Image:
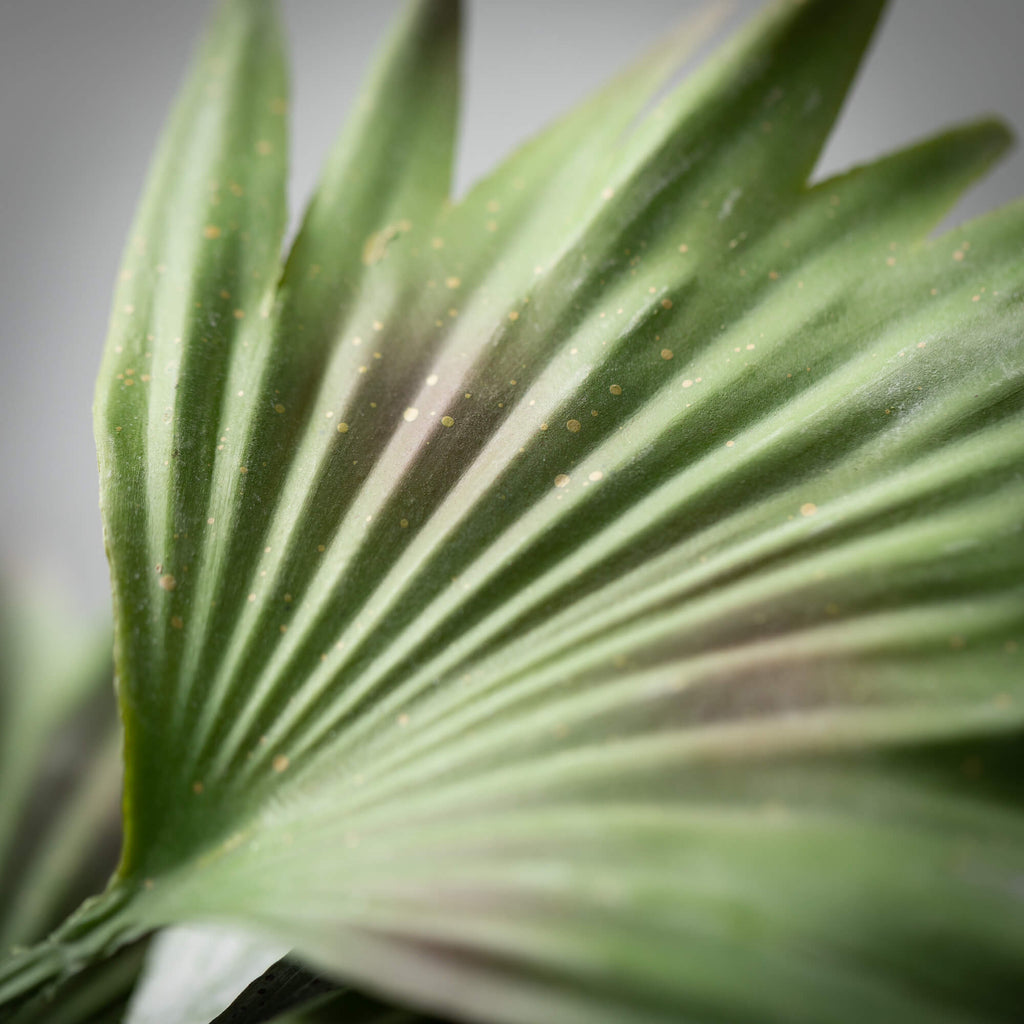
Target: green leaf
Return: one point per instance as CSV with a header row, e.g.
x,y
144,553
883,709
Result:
x,y
595,600
59,761
60,783
195,291
97,994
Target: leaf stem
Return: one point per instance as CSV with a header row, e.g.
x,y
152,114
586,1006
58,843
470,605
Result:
x,y
30,977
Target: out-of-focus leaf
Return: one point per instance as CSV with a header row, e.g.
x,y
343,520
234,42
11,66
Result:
x,y
598,600
98,994
212,975
59,762
50,668
60,783
284,986
193,973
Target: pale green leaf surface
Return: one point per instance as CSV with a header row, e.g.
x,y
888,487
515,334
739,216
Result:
x,y
213,975
193,973
596,600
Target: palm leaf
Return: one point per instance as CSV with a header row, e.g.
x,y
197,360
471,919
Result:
x,y
595,600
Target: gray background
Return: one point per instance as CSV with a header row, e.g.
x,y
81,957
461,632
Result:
x,y
85,84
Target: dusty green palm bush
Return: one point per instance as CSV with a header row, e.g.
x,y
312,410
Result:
x,y
595,600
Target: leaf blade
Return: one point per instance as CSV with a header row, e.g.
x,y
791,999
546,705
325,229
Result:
x,y
716,514
203,254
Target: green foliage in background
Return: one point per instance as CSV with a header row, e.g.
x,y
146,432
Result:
x,y
595,600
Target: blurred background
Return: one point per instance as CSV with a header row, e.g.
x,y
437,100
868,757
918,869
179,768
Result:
x,y
85,86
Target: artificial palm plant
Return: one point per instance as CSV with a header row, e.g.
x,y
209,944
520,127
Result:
x,y
598,599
